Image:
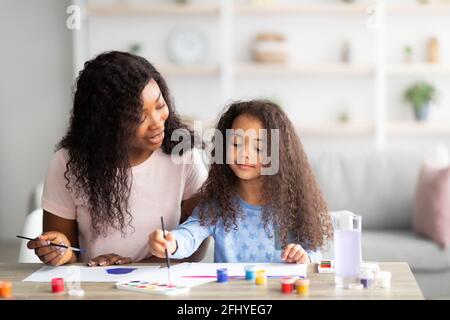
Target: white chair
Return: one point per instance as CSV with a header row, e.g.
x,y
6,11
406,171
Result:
x,y
32,228
37,196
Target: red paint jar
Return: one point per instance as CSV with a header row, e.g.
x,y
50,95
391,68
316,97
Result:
x,y
287,285
57,285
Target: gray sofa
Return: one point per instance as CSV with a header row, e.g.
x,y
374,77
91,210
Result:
x,y
380,187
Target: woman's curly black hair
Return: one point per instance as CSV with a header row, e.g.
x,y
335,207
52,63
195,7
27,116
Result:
x,y
106,112
293,201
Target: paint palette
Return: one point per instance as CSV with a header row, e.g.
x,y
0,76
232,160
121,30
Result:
x,y
151,287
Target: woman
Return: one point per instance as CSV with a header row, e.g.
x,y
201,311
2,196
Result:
x,y
112,177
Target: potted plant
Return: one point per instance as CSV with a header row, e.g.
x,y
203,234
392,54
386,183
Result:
x,y
420,96
408,53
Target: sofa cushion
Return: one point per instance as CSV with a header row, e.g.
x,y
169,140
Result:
x,y
379,186
432,206
401,245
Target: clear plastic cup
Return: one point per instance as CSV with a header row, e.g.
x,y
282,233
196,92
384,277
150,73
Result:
x,y
347,248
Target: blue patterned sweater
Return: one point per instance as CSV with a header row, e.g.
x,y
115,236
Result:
x,y
250,242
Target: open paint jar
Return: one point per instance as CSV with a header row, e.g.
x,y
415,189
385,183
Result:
x,y
302,286
287,285
367,279
250,272
261,277
222,275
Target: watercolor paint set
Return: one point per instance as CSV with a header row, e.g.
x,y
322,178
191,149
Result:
x,y
151,287
325,266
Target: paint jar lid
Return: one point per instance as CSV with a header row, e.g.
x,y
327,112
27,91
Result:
x,y
302,282
76,292
288,280
366,274
355,286
370,266
384,275
222,271
250,267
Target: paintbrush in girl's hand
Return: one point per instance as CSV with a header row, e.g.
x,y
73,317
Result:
x,y
167,254
55,244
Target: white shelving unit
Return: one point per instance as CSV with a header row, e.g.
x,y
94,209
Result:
x,y
302,9
333,128
127,9
296,69
404,69
418,128
189,70
228,70
414,9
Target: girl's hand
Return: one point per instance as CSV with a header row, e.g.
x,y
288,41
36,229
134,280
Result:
x,y
158,244
108,259
294,253
49,254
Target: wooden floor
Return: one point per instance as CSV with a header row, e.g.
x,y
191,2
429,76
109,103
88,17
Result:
x,y
403,286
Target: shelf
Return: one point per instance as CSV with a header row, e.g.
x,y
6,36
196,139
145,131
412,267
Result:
x,y
330,9
418,69
151,10
214,9
295,69
189,70
412,127
335,128
414,9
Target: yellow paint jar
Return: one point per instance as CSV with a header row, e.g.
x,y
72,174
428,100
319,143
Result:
x,y
302,286
261,277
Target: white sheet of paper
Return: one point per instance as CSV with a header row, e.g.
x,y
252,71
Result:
x,y
237,269
84,273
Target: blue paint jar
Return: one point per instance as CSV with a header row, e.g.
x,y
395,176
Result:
x,y
222,275
250,272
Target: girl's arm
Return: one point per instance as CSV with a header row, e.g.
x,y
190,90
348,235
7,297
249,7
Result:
x,y
314,256
187,208
181,242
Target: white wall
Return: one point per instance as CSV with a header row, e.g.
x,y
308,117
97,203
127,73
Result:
x,y
35,99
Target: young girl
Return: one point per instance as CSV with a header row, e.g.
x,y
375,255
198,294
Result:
x,y
255,217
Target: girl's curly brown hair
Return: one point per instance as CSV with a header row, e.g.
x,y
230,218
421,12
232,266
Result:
x,y
294,202
106,112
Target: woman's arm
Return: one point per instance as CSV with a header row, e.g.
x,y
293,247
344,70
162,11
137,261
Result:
x,y
67,227
56,230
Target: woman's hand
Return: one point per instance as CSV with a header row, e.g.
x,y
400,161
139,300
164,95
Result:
x,y
158,244
49,254
294,253
108,259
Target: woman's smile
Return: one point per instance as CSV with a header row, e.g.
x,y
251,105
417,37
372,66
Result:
x,y
156,138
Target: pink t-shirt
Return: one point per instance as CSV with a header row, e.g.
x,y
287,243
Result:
x,y
159,185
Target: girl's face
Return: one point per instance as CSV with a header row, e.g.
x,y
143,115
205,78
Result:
x,y
244,152
150,133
